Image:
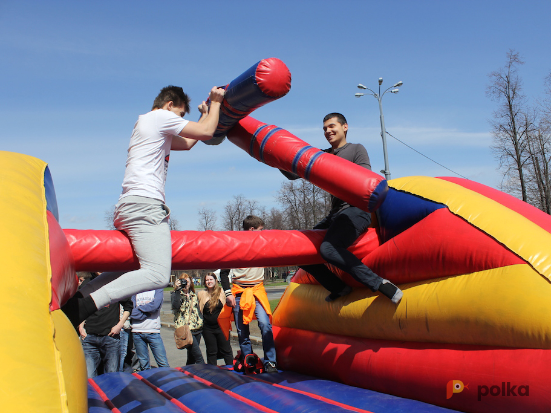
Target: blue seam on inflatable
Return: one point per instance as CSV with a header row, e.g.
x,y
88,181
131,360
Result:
x,y
297,158
51,200
265,141
377,196
253,139
401,210
311,163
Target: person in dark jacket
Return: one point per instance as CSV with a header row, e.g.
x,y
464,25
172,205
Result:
x,y
345,223
100,334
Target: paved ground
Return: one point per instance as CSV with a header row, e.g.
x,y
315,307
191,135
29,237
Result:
x,y
178,357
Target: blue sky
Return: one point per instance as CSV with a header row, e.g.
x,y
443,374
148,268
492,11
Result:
x,y
75,75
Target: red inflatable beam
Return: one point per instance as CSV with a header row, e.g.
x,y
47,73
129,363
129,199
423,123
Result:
x,y
102,250
278,148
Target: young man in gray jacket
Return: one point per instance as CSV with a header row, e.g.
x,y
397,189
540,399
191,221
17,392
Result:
x,y
146,328
344,224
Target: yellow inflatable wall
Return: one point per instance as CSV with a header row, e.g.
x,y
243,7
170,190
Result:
x,y
43,367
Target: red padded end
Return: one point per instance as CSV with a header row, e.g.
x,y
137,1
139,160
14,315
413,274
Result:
x,y
64,279
273,77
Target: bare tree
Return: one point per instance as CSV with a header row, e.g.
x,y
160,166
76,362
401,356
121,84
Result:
x,y
539,183
539,150
173,223
207,219
509,125
540,153
109,217
235,212
274,219
303,203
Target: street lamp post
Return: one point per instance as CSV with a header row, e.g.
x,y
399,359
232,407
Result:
x,y
379,97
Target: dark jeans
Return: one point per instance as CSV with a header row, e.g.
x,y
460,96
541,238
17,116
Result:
x,y
194,355
343,229
216,343
98,349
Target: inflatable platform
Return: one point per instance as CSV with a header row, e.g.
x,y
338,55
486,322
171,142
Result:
x,y
472,332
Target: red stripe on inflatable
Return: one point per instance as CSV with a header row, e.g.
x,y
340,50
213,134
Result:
x,y
232,112
440,245
64,279
311,395
528,211
102,250
421,371
164,394
228,392
103,396
273,77
345,180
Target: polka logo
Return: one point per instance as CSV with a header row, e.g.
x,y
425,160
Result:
x,y
454,386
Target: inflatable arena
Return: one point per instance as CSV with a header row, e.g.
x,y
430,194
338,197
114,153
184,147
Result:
x,y
472,332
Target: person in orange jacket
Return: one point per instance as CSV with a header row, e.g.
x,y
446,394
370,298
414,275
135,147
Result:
x,y
247,296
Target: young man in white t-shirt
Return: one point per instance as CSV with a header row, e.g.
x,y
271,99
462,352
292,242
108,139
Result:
x,y
141,211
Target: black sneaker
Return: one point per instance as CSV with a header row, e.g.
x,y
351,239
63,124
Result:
x,y
333,296
391,291
270,367
79,308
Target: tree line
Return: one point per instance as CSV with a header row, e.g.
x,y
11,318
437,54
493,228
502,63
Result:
x,y
522,135
301,206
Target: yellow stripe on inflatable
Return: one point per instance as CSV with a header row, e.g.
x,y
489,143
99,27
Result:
x,y
506,306
31,379
517,233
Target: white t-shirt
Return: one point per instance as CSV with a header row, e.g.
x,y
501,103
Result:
x,y
149,153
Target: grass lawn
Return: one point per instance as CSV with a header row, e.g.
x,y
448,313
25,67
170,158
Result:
x,y
274,303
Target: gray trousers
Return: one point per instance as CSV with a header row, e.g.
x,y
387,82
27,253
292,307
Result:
x,y
145,221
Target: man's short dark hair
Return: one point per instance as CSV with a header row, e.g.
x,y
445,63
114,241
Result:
x,y
171,93
252,221
85,275
340,118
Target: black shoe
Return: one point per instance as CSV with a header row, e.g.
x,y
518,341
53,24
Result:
x,y
391,291
333,296
270,367
79,308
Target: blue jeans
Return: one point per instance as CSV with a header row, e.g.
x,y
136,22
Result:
x,y
243,332
141,340
98,349
125,338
